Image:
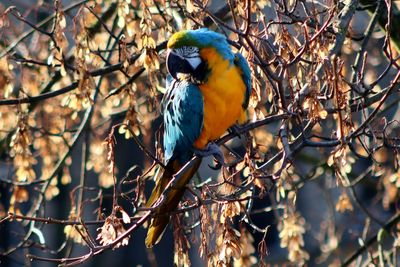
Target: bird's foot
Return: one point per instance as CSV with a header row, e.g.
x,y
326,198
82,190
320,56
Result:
x,y
214,150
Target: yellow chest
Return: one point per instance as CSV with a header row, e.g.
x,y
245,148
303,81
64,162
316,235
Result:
x,y
223,95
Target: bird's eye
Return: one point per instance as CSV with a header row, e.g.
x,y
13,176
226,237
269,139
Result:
x,y
191,49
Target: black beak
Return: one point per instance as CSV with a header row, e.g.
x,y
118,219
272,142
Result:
x,y
177,64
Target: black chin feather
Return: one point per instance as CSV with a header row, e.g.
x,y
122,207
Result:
x,y
199,75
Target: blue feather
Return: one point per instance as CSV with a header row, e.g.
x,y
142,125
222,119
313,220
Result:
x,y
183,119
241,63
207,38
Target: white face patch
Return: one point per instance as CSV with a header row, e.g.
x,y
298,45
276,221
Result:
x,y
194,61
191,54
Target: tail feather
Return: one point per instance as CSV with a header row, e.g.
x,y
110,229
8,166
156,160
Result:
x,y
156,230
161,217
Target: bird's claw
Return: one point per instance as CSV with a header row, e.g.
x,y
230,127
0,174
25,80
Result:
x,y
215,167
214,150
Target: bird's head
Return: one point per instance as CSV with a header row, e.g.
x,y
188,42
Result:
x,y
184,52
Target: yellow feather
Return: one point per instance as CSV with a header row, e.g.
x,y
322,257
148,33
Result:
x,y
223,95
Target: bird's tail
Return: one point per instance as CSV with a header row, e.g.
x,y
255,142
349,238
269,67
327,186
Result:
x,y
161,217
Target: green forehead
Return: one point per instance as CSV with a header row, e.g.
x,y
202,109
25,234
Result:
x,y
182,38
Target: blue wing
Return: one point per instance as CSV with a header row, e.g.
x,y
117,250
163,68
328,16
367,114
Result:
x,y
241,63
183,109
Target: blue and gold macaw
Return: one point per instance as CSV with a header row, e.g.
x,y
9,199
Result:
x,y
208,91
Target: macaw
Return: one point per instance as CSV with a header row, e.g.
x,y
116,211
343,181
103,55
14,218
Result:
x,y
208,91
